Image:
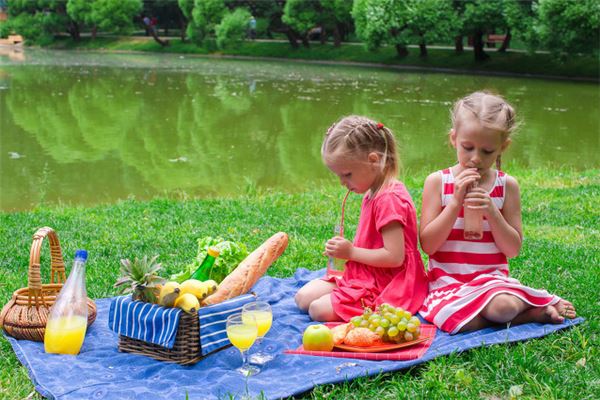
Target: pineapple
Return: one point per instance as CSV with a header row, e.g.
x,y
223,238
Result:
x,y
140,278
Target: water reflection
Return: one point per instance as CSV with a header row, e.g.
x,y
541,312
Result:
x,y
95,128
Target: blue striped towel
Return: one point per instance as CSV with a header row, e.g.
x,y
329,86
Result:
x,y
158,325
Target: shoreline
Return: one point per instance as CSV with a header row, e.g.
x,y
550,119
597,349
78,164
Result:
x,y
439,61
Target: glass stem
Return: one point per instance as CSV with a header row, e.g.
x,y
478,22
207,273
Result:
x,y
244,358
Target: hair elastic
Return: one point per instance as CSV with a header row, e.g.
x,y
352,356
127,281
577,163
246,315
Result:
x,y
380,125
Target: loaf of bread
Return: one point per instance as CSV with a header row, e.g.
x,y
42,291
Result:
x,y
241,279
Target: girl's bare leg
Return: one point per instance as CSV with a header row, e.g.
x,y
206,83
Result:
x,y
554,314
505,308
322,310
311,292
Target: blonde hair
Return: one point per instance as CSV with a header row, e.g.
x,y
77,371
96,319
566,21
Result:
x,y
355,135
491,110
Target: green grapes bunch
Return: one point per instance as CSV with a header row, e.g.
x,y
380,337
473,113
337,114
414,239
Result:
x,y
392,324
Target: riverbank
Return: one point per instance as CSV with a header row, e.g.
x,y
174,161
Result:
x,y
559,253
584,68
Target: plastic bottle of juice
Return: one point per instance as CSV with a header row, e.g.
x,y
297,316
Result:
x,y
203,271
67,320
473,220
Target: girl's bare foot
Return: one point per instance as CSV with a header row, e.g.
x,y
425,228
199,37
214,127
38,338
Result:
x,y
554,314
566,309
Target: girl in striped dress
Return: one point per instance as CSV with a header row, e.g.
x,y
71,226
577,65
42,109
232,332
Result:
x,y
469,283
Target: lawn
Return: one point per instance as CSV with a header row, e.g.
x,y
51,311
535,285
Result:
x,y
560,253
585,67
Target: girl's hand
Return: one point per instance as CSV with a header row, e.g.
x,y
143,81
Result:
x,y
479,199
463,182
338,247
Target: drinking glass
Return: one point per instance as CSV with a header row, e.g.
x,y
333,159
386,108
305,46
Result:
x,y
335,266
263,315
242,334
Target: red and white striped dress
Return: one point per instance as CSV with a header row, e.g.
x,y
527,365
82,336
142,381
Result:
x,y
464,275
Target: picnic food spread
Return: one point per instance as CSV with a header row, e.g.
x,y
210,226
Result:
x,y
385,325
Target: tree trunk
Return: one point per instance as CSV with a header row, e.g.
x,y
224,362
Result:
x,y
182,24
480,54
305,41
94,32
337,40
153,32
292,39
323,35
401,50
423,50
74,30
506,42
458,44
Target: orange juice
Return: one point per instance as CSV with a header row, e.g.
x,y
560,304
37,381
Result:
x,y
65,335
264,319
242,336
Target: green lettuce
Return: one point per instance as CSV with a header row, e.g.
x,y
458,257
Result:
x,y
231,254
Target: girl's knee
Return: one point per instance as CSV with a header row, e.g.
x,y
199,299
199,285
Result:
x,y
322,311
503,308
302,299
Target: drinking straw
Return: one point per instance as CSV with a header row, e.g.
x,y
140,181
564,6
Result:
x,y
342,219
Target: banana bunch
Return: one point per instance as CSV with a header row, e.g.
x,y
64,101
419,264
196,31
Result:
x,y
186,295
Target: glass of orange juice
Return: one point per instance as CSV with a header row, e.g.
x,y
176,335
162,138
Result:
x,y
263,315
242,334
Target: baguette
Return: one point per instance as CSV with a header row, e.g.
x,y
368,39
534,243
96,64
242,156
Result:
x,y
241,279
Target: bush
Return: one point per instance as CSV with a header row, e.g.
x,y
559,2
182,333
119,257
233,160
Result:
x,y
233,27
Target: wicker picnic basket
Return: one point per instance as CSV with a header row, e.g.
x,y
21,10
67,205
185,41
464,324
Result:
x,y
186,350
25,315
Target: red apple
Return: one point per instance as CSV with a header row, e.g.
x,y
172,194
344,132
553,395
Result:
x,y
317,338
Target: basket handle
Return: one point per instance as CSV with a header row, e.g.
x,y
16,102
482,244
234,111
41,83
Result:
x,y
57,272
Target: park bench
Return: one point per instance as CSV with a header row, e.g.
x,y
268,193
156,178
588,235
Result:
x,y
492,39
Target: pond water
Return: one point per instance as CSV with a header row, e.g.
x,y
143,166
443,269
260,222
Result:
x,y
83,128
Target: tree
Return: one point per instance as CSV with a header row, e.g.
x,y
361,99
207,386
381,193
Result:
x,y
115,15
233,27
381,22
337,18
206,15
301,16
569,26
483,17
186,7
37,21
432,20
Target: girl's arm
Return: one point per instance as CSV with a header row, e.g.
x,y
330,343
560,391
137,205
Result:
x,y
389,256
436,223
506,224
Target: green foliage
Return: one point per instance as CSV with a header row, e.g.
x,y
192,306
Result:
x,y
301,15
81,11
569,26
520,18
233,28
484,16
206,15
37,21
115,15
381,22
231,254
432,20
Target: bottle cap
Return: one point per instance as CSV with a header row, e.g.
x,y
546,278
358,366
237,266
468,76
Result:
x,y
82,254
213,251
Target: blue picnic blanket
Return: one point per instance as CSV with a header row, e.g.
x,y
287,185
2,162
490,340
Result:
x,y
101,372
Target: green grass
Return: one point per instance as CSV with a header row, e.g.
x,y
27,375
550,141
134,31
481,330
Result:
x,y
587,67
560,253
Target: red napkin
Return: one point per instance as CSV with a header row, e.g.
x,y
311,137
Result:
x,y
402,354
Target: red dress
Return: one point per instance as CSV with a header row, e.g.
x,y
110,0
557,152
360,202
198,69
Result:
x,y
402,286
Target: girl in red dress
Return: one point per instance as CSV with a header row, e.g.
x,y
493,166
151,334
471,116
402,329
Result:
x,y
469,286
383,263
